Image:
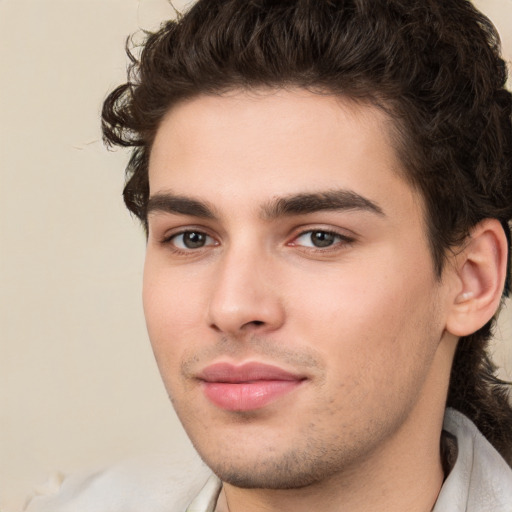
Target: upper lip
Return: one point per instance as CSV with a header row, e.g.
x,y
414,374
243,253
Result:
x,y
248,372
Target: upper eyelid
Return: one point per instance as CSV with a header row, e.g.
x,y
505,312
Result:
x,y
324,229
168,234
344,237
297,231
334,230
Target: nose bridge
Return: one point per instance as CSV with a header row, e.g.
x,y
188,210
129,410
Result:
x,y
243,296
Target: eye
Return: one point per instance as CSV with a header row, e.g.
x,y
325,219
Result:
x,y
320,239
188,240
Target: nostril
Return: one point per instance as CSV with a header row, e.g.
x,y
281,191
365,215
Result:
x,y
256,323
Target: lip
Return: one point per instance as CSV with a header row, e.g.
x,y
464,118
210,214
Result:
x,y
246,387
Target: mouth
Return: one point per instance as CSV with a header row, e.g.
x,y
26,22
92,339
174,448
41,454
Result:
x,y
246,387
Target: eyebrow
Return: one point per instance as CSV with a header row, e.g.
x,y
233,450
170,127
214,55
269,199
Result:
x,y
181,205
301,204
294,204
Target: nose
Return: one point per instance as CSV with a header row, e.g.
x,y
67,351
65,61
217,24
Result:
x,y
245,298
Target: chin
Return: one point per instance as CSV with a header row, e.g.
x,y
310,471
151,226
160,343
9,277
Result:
x,y
277,478
267,469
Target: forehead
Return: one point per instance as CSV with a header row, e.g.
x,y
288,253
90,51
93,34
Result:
x,y
261,144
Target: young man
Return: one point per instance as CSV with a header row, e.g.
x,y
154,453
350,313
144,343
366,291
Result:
x,y
327,189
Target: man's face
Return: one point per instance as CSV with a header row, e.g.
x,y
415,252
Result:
x,y
289,290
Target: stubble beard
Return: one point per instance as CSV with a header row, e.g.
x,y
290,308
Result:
x,y
307,455
311,459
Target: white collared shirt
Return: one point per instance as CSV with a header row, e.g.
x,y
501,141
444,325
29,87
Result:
x,y
479,481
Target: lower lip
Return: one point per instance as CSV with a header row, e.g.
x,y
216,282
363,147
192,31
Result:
x,y
247,396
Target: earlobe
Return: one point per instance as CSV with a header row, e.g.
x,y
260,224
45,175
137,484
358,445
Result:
x,y
481,270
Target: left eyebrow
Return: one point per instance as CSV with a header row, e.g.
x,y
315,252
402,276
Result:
x,y
301,204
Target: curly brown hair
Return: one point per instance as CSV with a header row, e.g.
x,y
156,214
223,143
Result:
x,y
433,65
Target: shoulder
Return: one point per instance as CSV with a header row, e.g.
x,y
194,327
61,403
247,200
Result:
x,y
152,485
480,480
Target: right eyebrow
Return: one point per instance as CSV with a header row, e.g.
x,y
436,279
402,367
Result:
x,y
181,205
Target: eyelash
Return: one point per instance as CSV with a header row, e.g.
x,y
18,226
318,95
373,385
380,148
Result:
x,y
168,241
341,241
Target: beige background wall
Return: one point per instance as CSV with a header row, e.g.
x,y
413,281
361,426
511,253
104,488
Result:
x,y
78,385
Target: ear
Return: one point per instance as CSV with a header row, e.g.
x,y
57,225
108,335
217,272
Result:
x,y
480,269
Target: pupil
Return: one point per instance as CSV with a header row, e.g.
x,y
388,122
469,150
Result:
x,y
322,239
193,240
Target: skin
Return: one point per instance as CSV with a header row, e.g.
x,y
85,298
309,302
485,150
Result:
x,y
362,318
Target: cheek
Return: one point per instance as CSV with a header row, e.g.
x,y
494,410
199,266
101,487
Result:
x,y
173,311
172,298
368,324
